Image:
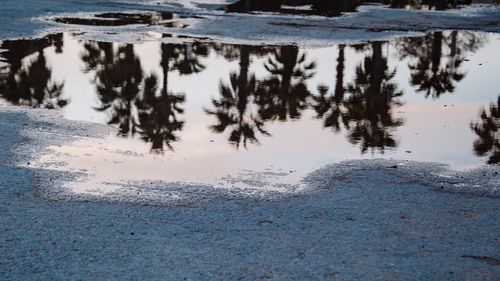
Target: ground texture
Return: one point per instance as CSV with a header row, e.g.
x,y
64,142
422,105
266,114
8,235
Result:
x,y
359,224
359,221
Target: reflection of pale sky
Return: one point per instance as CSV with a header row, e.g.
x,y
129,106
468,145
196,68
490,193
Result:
x,y
432,132
480,85
68,67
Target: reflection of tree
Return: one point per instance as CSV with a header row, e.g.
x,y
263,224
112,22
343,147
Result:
x,y
187,57
329,106
117,78
488,131
428,73
429,76
233,110
157,115
363,107
283,94
57,41
30,83
133,101
231,52
369,105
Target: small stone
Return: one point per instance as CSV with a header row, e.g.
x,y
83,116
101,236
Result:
x,y
260,223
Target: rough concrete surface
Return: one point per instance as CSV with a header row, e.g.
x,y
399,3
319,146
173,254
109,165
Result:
x,y
357,224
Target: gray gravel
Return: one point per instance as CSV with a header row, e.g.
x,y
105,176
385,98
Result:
x,y
27,18
359,223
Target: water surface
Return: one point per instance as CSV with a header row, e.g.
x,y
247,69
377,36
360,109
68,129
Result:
x,y
208,111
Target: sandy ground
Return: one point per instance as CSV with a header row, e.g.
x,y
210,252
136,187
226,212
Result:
x,y
358,223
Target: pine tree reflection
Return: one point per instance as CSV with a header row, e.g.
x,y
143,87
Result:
x,y
56,40
133,101
284,93
369,106
429,74
328,106
159,115
26,79
488,131
365,106
187,57
231,52
117,79
234,109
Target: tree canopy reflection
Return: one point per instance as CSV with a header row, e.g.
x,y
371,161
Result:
x,y
234,108
373,94
284,93
329,106
26,79
247,103
487,130
135,102
433,72
365,106
271,84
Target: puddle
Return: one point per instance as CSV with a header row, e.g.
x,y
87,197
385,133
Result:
x,y
336,8
260,116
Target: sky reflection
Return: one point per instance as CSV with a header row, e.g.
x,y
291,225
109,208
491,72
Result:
x,y
428,98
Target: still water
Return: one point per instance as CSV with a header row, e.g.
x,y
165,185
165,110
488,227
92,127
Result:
x,y
204,111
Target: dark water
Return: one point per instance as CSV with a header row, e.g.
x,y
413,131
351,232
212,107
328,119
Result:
x,y
429,98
